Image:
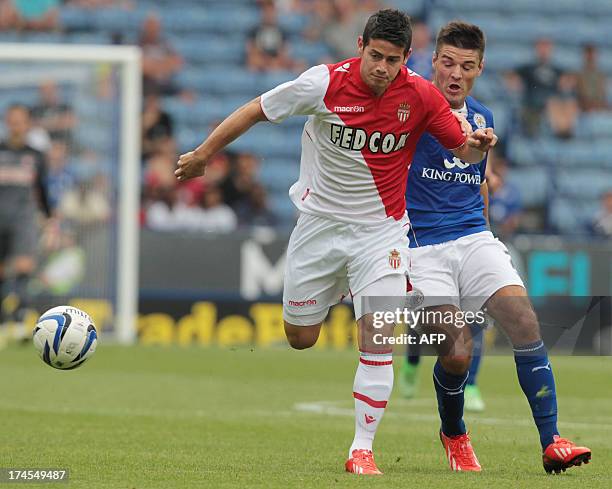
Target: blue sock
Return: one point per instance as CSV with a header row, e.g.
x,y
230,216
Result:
x,y
449,391
477,339
413,354
538,384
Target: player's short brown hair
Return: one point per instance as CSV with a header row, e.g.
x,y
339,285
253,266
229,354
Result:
x,y
389,25
461,35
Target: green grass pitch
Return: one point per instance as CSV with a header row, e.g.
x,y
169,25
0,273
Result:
x,y
154,417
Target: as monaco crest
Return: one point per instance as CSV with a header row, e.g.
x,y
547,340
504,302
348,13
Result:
x,y
395,259
403,112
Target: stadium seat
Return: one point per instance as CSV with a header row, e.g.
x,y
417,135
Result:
x,y
293,24
76,19
534,152
205,79
311,52
210,49
215,21
22,95
595,125
572,216
412,7
88,38
283,207
267,81
42,37
279,174
203,112
118,20
502,57
488,86
600,7
576,154
270,141
189,138
583,183
9,37
174,20
94,138
533,183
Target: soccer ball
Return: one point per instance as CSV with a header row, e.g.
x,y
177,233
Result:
x,y
65,337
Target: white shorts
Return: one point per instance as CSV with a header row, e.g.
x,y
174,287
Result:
x,y
328,260
464,272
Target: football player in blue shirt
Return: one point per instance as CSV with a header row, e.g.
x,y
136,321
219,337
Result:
x,y
458,266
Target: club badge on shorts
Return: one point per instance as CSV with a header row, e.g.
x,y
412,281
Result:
x,y
403,112
395,259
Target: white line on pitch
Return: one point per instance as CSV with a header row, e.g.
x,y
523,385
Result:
x,y
331,408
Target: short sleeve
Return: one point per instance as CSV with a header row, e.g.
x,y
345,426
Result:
x,y
442,123
302,96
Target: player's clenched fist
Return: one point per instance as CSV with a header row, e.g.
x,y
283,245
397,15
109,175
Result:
x,y
190,165
482,139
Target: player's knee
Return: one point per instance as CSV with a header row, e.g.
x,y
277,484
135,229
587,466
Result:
x,y
298,342
456,364
301,337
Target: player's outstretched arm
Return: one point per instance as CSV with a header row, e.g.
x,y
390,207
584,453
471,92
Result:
x,y
193,164
476,146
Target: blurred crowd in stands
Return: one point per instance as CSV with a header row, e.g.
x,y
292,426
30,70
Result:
x,y
544,101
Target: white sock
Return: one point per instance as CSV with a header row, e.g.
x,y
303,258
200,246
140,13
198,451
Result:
x,y
371,390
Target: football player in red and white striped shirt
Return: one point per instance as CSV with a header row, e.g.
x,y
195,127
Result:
x,y
366,115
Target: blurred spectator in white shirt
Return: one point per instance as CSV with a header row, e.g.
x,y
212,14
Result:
x,y
214,216
87,203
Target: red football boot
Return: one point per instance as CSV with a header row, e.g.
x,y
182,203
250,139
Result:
x,y
460,454
562,454
362,463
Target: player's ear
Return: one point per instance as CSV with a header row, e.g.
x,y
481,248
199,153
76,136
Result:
x,y
481,66
434,58
360,45
407,55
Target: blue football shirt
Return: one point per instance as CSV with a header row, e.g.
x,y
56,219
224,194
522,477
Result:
x,y
443,193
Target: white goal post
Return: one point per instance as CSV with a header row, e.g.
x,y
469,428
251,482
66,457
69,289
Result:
x,y
128,58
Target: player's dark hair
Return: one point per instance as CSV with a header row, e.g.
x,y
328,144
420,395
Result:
x,y
389,25
461,35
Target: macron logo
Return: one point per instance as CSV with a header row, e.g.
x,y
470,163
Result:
x,y
344,68
350,108
309,302
369,419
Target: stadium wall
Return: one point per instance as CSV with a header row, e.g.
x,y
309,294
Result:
x,y
250,266
227,291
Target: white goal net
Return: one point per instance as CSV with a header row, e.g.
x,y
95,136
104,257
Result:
x,y
85,104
